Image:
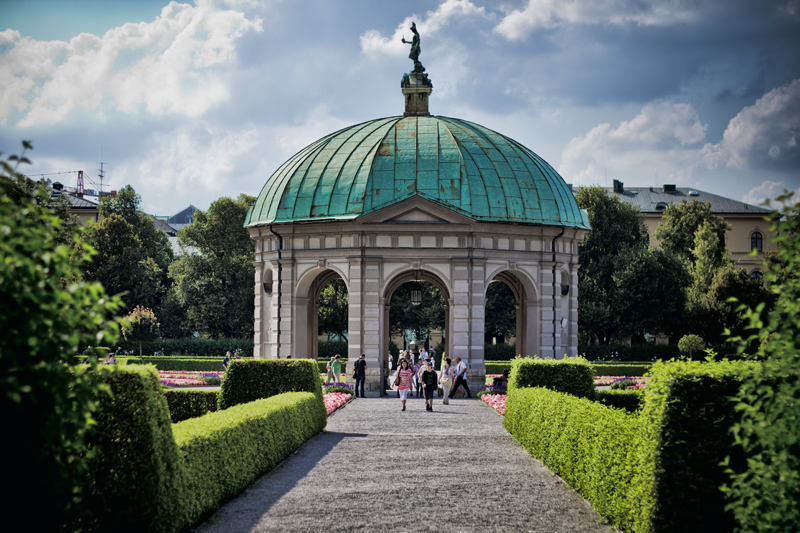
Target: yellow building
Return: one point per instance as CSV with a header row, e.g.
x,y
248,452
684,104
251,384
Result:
x,y
748,230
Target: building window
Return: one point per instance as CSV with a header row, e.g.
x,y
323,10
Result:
x,y
756,241
755,275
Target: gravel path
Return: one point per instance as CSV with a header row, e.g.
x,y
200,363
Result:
x,y
376,468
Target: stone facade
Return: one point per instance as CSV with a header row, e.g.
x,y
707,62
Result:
x,y
415,239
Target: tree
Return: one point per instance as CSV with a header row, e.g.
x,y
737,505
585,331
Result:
x,y
691,344
140,326
118,261
766,495
680,223
215,286
501,312
46,315
624,287
428,315
333,310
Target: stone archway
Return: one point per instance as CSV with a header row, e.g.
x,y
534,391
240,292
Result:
x,y
389,289
528,310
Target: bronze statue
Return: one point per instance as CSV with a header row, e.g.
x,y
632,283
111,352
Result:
x,y
415,48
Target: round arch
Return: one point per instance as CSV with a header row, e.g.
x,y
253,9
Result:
x,y
306,304
527,306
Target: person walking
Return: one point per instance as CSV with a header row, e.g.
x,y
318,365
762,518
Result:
x,y
429,381
226,360
461,378
329,366
336,366
418,367
403,381
446,380
360,373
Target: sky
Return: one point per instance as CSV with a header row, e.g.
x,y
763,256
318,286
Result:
x,y
188,102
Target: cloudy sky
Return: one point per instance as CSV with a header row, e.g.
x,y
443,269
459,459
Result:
x,y
190,102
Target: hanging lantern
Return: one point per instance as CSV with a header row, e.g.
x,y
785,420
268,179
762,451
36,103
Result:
x,y
416,294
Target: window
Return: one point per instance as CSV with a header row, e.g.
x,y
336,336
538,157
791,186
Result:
x,y
268,282
755,275
756,241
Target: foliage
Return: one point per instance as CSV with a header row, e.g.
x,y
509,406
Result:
x,y
629,400
691,344
624,287
621,369
573,375
684,436
337,388
491,391
428,315
136,478
46,314
139,326
185,404
766,496
501,313
629,352
225,451
191,347
500,352
178,363
247,381
680,223
622,384
215,287
587,444
329,348
333,310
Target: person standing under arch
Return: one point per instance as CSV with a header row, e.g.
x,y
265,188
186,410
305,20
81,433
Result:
x,y
360,373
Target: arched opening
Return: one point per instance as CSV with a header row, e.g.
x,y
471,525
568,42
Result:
x,y
518,302
500,321
416,313
321,306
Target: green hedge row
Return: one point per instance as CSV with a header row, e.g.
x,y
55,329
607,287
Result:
x,y
585,443
630,400
499,352
185,404
247,381
659,470
572,375
328,349
188,347
621,369
177,362
226,451
632,352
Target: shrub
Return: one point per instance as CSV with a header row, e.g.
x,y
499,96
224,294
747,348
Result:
x,y
136,476
497,367
624,352
491,391
226,451
622,384
690,344
587,444
630,400
46,314
247,381
684,437
140,325
194,347
327,349
185,404
338,388
176,363
573,375
623,369
499,352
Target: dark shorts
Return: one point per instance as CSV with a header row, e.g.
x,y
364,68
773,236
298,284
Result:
x,y
429,392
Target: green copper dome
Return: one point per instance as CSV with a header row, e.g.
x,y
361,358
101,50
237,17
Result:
x,y
457,164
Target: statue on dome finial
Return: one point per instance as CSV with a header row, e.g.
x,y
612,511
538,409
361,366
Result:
x,y
419,70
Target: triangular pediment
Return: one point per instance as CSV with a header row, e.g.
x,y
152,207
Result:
x,y
415,210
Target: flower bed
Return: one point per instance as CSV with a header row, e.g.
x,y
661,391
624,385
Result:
x,y
187,378
641,382
334,400
496,402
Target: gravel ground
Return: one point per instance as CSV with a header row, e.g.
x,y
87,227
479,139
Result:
x,y
377,468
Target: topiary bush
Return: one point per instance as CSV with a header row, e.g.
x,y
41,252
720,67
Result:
x,y
587,444
573,375
136,477
630,400
185,404
247,381
691,344
225,451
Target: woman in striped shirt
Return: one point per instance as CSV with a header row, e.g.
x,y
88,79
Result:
x,y
404,376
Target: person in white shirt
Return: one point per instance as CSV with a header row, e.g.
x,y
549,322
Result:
x,y
460,374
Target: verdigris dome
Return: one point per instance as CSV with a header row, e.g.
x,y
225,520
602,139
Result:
x,y
457,164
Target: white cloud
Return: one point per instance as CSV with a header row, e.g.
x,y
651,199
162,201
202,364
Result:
x,y
166,66
764,134
315,125
374,44
768,191
517,24
663,138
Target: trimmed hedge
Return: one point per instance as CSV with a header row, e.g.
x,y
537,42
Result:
x,y
190,347
621,369
247,381
322,364
177,362
630,400
226,451
685,436
491,391
136,478
185,404
587,444
327,349
499,352
625,352
573,375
